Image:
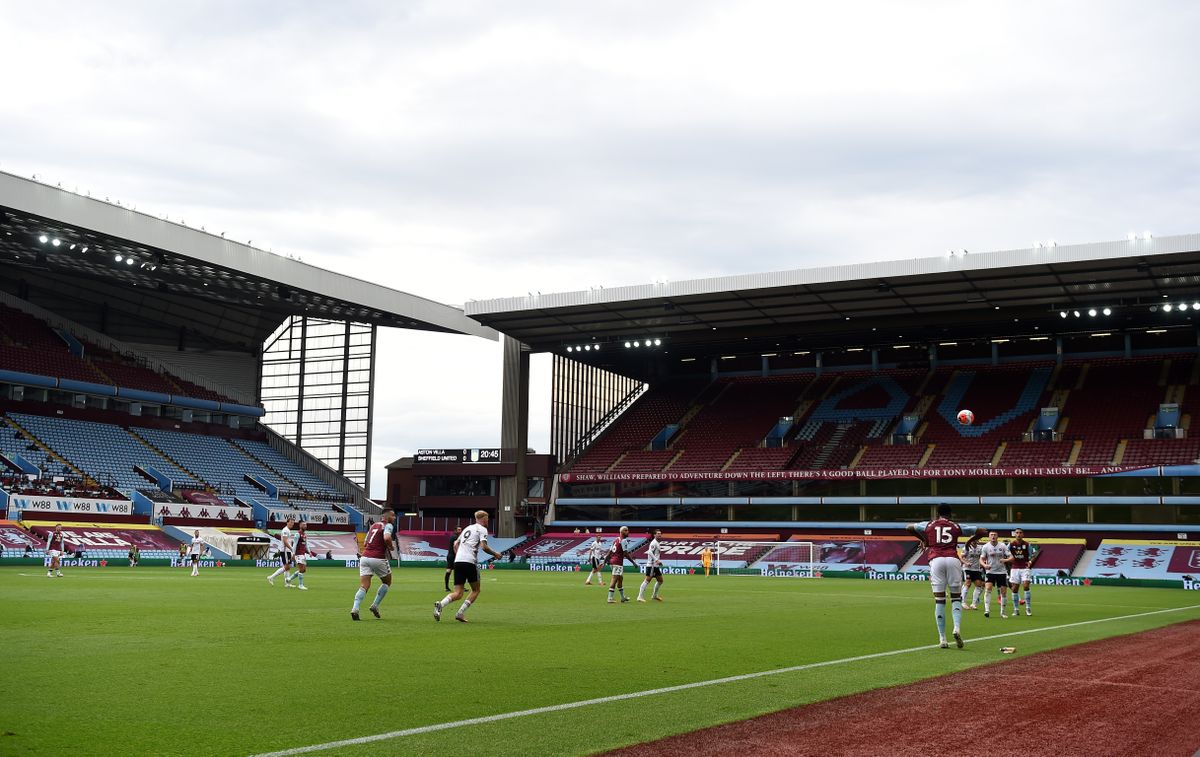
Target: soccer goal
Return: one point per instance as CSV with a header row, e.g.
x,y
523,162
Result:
x,y
792,559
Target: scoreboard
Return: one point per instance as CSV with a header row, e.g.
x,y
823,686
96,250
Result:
x,y
478,455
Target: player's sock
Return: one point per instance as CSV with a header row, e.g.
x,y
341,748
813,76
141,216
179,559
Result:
x,y
463,610
358,598
622,590
300,578
987,601
975,596
610,591
654,591
939,615
956,613
275,575
1028,602
642,590
446,600
379,595
962,595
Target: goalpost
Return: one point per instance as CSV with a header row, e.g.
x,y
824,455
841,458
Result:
x,y
791,559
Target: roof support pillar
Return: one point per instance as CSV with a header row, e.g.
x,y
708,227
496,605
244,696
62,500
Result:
x,y
514,433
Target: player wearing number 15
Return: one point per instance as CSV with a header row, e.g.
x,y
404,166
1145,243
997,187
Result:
x,y
940,538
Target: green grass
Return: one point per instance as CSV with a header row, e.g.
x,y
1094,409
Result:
x,y
150,661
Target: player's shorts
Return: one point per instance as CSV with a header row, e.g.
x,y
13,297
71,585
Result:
x,y
975,575
286,558
596,563
1018,576
618,570
374,566
945,572
997,579
653,571
465,573
302,559
195,558
55,553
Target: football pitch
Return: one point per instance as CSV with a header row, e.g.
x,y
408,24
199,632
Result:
x,y
150,661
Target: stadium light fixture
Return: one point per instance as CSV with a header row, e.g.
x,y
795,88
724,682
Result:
x,y
1000,341
118,257
129,261
43,239
1107,311
1156,331
1092,312
1075,313
728,357
628,345
637,344
1167,307
901,346
947,344
1196,306
1038,338
84,248
1182,306
55,242
658,342
72,246
596,347
1062,314
854,349
1103,333
570,348
687,359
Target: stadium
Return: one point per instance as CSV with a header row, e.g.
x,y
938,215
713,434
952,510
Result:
x,y
162,384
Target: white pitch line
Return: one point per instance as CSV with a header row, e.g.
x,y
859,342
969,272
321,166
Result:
x,y
681,687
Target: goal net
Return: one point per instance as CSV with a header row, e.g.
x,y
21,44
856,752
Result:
x,y
793,559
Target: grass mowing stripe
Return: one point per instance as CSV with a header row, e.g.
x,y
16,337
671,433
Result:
x,y
681,687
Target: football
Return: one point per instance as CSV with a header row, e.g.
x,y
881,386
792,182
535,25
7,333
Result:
x,y
966,417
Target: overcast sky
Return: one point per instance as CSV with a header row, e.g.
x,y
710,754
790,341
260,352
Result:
x,y
469,150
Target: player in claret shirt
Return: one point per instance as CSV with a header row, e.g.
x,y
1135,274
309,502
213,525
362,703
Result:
x,y
377,546
618,553
1019,573
940,537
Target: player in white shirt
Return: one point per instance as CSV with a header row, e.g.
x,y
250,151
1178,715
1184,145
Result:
x,y
196,550
994,557
653,569
596,556
972,575
286,554
466,566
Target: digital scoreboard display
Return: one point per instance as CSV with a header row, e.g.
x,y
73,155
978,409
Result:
x,y
480,455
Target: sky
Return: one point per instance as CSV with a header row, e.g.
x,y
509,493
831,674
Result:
x,y
471,150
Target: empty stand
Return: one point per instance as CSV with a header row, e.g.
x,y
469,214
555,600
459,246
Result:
x,y
105,452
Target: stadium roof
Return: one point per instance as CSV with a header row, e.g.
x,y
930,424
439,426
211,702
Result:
x,y
187,277
973,294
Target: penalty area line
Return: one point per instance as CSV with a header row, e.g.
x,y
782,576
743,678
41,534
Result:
x,y
680,687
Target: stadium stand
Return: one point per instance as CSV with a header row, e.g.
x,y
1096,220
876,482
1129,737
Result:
x,y
30,345
844,420
215,461
288,470
106,453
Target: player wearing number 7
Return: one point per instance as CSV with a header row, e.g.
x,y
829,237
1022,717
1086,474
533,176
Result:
x,y
940,538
